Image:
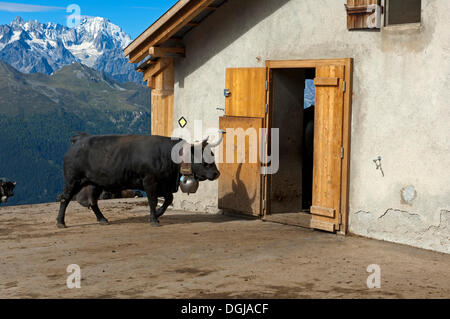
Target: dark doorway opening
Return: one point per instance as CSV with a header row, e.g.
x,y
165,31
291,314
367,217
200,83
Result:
x,y
290,189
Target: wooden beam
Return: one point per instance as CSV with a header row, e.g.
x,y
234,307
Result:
x,y
142,67
156,68
183,20
137,56
150,82
326,81
162,52
190,12
192,24
147,72
321,211
176,39
322,225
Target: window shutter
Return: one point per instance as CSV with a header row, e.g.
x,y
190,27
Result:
x,y
363,14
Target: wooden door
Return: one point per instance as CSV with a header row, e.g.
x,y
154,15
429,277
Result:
x,y
241,182
328,151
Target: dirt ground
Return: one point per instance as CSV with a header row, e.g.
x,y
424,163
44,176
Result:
x,y
196,255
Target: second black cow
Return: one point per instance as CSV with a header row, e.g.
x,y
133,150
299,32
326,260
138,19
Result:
x,y
6,190
113,163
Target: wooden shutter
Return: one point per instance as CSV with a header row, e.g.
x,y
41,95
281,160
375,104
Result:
x,y
361,14
247,92
240,184
328,133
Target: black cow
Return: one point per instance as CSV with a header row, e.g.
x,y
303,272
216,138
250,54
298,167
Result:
x,y
116,162
6,190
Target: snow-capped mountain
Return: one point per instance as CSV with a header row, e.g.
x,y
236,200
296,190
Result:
x,y
33,47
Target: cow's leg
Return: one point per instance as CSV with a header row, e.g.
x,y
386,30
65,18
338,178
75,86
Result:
x,y
100,218
93,202
70,190
153,202
168,199
150,187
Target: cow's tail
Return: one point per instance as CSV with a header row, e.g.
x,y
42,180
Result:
x,y
77,137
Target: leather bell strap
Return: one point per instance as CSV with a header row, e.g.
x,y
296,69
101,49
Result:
x,y
186,169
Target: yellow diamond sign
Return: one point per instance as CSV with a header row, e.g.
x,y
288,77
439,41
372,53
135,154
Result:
x,y
182,122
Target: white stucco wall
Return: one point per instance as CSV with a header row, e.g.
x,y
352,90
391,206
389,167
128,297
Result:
x,y
401,103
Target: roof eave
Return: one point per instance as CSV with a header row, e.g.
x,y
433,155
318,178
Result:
x,y
167,26
156,26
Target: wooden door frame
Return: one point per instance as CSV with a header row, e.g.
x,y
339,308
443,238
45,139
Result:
x,y
308,64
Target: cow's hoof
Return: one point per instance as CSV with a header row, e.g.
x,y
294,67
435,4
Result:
x,y
61,226
103,222
155,223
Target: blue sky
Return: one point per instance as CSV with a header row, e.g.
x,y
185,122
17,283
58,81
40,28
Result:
x,y
133,16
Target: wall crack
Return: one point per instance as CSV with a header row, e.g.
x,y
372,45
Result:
x,y
398,211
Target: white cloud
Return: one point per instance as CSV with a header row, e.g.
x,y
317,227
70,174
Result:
x,y
23,7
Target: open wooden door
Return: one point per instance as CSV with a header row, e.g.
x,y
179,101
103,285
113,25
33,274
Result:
x,y
328,151
241,182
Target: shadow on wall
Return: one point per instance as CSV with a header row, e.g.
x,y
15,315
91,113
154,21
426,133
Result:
x,y
239,198
229,23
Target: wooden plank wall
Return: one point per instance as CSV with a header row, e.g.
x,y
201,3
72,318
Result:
x,y
162,86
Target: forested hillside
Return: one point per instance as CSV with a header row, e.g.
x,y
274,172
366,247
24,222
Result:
x,y
39,114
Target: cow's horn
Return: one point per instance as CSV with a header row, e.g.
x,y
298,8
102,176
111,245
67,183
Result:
x,y
15,183
201,143
222,132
